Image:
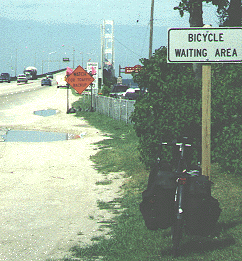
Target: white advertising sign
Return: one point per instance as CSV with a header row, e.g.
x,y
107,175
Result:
x,y
90,67
205,45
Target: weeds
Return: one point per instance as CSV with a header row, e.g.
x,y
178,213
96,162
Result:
x,y
129,238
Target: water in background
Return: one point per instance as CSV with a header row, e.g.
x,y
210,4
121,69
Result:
x,y
31,43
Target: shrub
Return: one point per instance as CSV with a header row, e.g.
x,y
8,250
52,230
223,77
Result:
x,y
172,107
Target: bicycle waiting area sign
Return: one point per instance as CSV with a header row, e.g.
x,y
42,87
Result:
x,y
206,45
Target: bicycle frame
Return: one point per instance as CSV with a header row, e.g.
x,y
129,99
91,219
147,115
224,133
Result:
x,y
179,197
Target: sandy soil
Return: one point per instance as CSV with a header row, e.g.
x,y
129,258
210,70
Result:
x,y
47,189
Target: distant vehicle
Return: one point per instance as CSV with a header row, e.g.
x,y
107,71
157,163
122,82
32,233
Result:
x,y
22,78
60,80
5,77
31,72
49,75
118,91
29,77
132,93
46,81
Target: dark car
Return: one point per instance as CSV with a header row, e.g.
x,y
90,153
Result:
x,y
5,77
46,81
118,91
49,75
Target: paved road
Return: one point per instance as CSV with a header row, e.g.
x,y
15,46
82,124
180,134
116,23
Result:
x,y
48,190
9,90
14,97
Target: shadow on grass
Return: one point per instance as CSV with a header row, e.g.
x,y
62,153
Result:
x,y
201,245
226,226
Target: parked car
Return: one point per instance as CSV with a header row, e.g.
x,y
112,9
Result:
x,y
22,78
132,93
60,80
46,81
49,75
5,77
118,91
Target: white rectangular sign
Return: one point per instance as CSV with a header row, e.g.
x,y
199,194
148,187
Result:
x,y
94,65
204,45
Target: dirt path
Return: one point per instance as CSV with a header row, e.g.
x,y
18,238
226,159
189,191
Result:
x,y
47,190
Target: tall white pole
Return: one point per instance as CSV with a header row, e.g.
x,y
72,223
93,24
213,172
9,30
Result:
x,y
151,28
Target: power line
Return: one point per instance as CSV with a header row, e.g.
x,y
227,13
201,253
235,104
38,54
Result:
x,y
140,55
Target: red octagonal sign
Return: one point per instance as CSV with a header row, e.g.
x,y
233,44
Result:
x,y
79,79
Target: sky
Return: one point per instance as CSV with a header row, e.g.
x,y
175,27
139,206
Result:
x,y
123,12
48,28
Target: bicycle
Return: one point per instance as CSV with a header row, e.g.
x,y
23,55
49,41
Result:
x,y
179,196
183,173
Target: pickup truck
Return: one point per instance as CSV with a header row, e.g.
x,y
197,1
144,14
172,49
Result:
x,y
5,77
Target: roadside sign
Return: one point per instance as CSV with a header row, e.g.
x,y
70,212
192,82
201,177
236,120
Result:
x,y
66,59
119,80
204,45
93,66
131,69
79,79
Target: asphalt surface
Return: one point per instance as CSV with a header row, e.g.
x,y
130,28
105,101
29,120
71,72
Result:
x,y
48,190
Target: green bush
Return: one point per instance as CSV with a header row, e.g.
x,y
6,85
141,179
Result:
x,y
172,107
106,90
226,116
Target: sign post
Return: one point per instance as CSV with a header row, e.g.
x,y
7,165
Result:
x,y
206,119
205,45
67,95
68,72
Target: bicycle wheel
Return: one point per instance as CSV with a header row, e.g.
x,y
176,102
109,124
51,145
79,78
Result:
x,y
176,231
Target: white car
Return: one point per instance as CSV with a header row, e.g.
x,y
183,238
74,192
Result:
x,y
60,80
132,93
22,78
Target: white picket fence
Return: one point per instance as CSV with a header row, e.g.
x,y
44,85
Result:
x,y
119,109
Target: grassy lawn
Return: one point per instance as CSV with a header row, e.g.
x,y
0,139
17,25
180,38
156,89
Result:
x,y
130,239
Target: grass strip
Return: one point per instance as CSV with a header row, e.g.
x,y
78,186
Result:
x,y
130,239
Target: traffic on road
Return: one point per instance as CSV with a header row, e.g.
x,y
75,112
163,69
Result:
x,y
23,83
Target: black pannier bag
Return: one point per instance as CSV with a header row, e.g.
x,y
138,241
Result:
x,y
201,215
202,210
199,185
157,207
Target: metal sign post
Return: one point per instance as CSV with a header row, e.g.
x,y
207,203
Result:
x,y
67,110
91,109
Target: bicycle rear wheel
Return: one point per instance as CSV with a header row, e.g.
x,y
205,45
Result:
x,y
176,236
